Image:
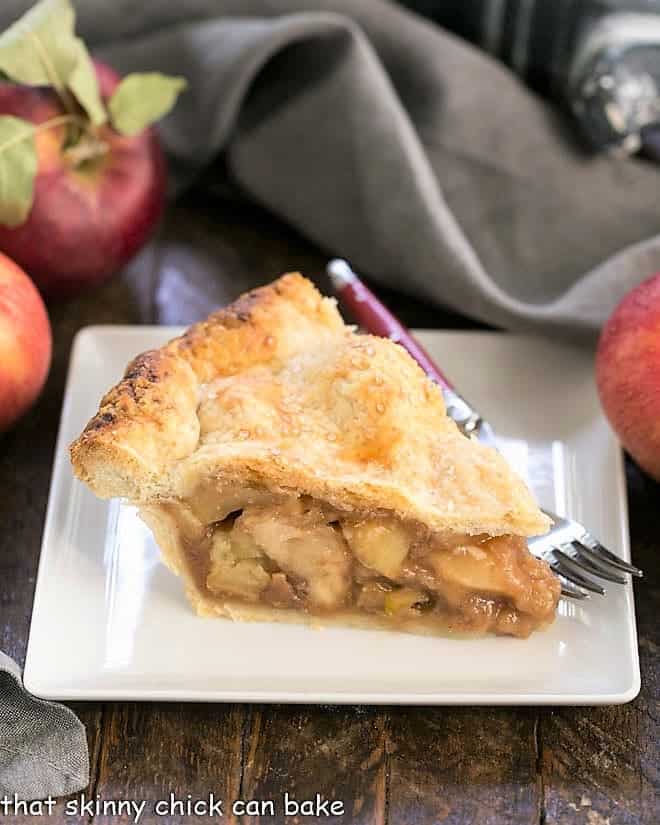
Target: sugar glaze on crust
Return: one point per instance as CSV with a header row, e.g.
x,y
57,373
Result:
x,y
275,391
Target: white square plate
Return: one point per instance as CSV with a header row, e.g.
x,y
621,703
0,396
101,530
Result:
x,y
111,622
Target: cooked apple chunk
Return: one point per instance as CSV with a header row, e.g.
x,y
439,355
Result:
x,y
214,502
312,552
500,567
471,566
245,578
380,544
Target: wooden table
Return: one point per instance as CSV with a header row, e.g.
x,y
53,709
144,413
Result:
x,y
416,766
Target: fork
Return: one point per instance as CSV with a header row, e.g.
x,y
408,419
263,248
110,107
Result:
x,y
572,552
576,556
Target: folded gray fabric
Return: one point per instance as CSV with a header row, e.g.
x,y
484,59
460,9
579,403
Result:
x,y
43,747
392,143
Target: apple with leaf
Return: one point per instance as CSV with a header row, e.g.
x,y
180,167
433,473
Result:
x,y
82,172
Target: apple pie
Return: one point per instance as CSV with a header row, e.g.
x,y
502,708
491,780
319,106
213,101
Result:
x,y
293,470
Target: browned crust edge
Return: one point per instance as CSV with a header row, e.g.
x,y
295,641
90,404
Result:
x,y
148,420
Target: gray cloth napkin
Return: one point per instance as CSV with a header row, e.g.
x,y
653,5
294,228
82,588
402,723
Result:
x,y
388,141
43,747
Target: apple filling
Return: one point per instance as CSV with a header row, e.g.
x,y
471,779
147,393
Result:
x,y
251,546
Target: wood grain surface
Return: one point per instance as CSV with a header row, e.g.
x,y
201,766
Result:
x,y
401,766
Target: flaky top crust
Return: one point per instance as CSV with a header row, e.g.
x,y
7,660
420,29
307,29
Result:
x,y
276,391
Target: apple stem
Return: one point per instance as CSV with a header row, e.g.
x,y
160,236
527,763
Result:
x,y
86,149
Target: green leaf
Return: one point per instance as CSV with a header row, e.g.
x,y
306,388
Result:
x,y
84,85
142,99
40,48
18,168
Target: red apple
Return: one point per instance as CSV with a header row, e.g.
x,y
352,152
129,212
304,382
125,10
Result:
x,y
88,218
628,373
25,342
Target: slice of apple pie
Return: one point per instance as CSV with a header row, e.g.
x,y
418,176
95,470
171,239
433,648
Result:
x,y
293,470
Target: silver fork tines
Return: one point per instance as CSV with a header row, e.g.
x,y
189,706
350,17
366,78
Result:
x,y
577,557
